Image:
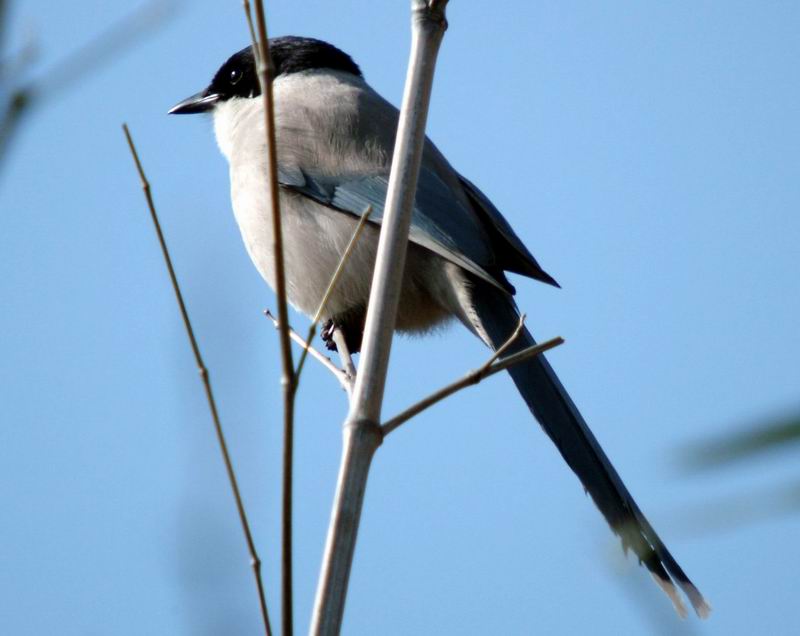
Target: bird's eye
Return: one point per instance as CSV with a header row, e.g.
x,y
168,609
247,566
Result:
x,y
236,75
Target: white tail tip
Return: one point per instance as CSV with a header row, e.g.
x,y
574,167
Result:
x,y
671,591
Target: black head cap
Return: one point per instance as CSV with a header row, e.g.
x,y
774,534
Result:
x,y
289,54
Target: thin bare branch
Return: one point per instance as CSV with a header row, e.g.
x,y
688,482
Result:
x,y
255,561
473,377
312,329
340,375
504,347
288,381
253,37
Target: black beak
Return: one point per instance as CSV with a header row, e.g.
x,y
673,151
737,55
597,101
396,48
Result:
x,y
199,103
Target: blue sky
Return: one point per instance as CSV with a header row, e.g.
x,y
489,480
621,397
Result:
x,y
647,153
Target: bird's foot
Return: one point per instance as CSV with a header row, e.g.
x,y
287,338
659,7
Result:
x,y
327,335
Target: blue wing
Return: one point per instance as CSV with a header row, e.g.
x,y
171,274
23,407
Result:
x,y
440,222
464,228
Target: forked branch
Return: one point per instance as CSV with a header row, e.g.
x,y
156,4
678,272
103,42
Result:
x,y
325,361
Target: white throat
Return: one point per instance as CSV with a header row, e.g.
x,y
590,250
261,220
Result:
x,y
229,116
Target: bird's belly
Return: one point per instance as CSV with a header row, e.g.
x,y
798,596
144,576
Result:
x,y
314,239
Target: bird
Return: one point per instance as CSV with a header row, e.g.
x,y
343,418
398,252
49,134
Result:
x,y
335,136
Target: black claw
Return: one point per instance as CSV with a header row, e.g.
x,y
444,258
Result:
x,y
351,324
327,335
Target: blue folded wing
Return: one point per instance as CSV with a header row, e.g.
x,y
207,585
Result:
x,y
440,221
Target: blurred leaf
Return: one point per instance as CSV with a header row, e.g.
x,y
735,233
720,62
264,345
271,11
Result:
x,y
712,517
18,104
106,47
3,18
743,445
739,446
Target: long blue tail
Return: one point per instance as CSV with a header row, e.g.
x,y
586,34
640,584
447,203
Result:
x,y
551,405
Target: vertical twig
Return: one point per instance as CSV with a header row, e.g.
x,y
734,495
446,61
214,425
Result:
x,y
255,562
362,433
264,67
